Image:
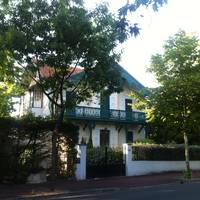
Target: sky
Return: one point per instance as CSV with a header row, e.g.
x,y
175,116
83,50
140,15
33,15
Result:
x,y
156,28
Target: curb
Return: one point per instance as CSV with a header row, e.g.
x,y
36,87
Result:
x,y
56,194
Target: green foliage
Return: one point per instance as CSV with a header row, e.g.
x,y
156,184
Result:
x,y
68,138
175,104
164,152
62,35
6,102
8,87
131,7
144,141
25,143
21,148
187,175
96,156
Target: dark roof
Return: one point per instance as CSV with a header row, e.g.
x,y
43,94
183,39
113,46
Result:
x,y
79,72
129,79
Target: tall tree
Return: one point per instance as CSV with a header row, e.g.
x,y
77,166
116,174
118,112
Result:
x,y
63,35
59,36
176,101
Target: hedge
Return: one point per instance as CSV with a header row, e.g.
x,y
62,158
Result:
x,y
97,156
164,152
24,144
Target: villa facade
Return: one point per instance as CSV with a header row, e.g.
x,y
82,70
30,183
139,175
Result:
x,y
108,120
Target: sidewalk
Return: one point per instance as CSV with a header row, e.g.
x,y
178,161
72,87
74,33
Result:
x,y
65,186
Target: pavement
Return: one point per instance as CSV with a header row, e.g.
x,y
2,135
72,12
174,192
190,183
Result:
x,y
60,187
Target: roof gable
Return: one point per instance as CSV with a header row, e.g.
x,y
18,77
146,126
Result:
x,y
131,81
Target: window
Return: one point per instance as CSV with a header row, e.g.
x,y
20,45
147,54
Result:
x,y
105,105
129,137
104,137
128,107
37,98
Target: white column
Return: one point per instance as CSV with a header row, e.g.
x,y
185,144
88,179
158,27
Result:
x,y
81,165
127,153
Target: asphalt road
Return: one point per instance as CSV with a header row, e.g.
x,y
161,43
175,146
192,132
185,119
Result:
x,y
186,191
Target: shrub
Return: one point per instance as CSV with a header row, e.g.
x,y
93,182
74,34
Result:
x,y
25,143
22,149
164,152
144,141
98,156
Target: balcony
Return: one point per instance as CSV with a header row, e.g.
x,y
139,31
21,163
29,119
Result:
x,y
97,114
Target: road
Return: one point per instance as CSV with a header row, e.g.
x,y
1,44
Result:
x,y
186,191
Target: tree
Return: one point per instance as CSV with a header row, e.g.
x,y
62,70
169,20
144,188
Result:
x,y
59,36
62,35
8,87
6,106
176,101
131,7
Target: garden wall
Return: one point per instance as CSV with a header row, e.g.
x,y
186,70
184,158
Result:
x,y
135,167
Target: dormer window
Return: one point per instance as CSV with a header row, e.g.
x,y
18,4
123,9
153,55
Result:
x,y
37,98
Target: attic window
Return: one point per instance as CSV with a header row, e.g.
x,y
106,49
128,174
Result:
x,y
37,98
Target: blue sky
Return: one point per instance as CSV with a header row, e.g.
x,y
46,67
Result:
x,y
155,30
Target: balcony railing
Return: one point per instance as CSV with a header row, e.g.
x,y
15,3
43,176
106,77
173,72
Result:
x,y
90,113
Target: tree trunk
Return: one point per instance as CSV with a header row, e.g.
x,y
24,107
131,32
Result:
x,y
54,155
187,159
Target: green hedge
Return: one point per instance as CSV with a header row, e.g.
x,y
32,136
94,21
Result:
x,y
22,145
97,156
164,152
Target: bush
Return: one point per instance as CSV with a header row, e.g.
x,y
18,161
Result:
x,y
98,156
26,142
144,141
22,149
164,152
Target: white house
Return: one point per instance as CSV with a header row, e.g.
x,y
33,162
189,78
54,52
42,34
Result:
x,y
112,123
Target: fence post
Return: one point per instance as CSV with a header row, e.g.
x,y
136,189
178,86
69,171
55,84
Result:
x,y
127,154
81,162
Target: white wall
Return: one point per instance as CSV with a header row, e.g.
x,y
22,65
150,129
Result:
x,y
46,104
134,168
113,134
26,106
117,136
83,133
137,133
121,137
80,172
121,99
117,101
24,103
94,102
147,167
114,101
